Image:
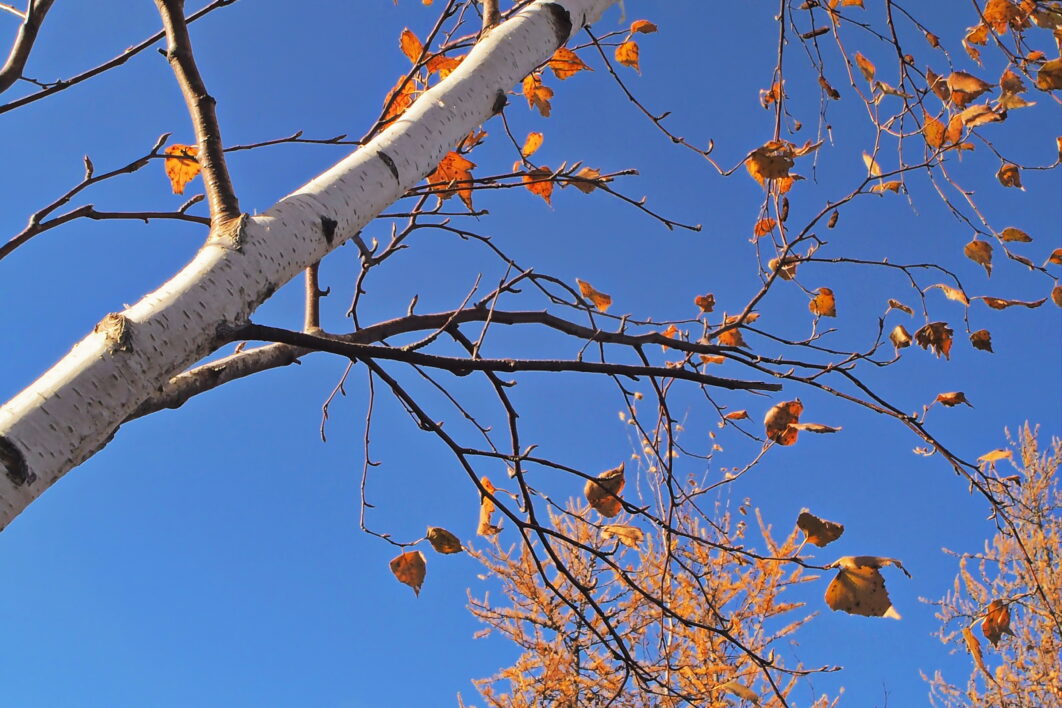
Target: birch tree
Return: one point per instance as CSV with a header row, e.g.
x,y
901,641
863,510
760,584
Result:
x,y
688,614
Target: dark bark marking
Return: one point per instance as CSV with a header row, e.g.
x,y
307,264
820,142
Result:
x,y
328,228
386,159
14,463
562,21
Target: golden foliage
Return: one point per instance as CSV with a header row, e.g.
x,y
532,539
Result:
x,y
181,166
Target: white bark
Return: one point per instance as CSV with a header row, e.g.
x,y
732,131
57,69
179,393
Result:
x,y
72,411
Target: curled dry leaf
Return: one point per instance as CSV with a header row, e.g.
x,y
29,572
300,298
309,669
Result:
x,y
815,427
486,510
966,87
823,304
181,166
890,186
980,252
865,67
974,647
897,305
786,267
643,26
1055,257
601,300
998,303
779,419
706,302
737,415
630,536
443,541
1049,77
996,622
952,398
587,180
981,339
603,492
410,568
859,588
951,293
1009,175
1056,295
731,337
935,336
900,337
628,55
818,531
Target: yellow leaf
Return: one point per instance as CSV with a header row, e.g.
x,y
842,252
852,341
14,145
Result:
x,y
900,337
786,267
410,45
823,304
994,456
890,186
740,690
951,293
1049,77
630,536
627,54
601,300
181,166
818,531
859,589
410,568
586,180
486,510
531,144
980,252
566,63
974,647
873,169
965,87
603,492
443,541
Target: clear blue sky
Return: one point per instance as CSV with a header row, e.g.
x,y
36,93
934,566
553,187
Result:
x,y
211,555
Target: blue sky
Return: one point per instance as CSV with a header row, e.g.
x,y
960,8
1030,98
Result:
x,y
212,556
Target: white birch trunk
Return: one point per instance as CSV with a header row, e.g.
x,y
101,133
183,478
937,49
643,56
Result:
x,y
72,411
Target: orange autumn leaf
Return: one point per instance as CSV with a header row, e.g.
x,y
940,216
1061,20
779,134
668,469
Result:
x,y
998,303
539,181
823,304
531,144
952,399
996,622
627,54
410,568
453,176
602,492
671,333
736,415
706,302
1055,257
1012,234
981,339
1009,175
859,588
400,98
994,456
1056,295
410,45
933,132
537,94
643,26
586,180
182,166
763,227
601,300
999,14
566,63
818,531
731,337
443,65
865,67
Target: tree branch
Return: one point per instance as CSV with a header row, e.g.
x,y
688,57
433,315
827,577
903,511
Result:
x,y
20,50
220,193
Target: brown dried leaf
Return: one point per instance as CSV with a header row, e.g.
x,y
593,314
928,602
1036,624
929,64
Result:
x,y
897,305
779,419
951,293
981,339
706,302
935,336
1009,175
974,647
629,536
818,531
588,179
996,622
900,337
786,267
979,114
443,541
1012,234
410,568
980,252
965,87
601,300
998,303
603,492
1049,77
486,510
1056,295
